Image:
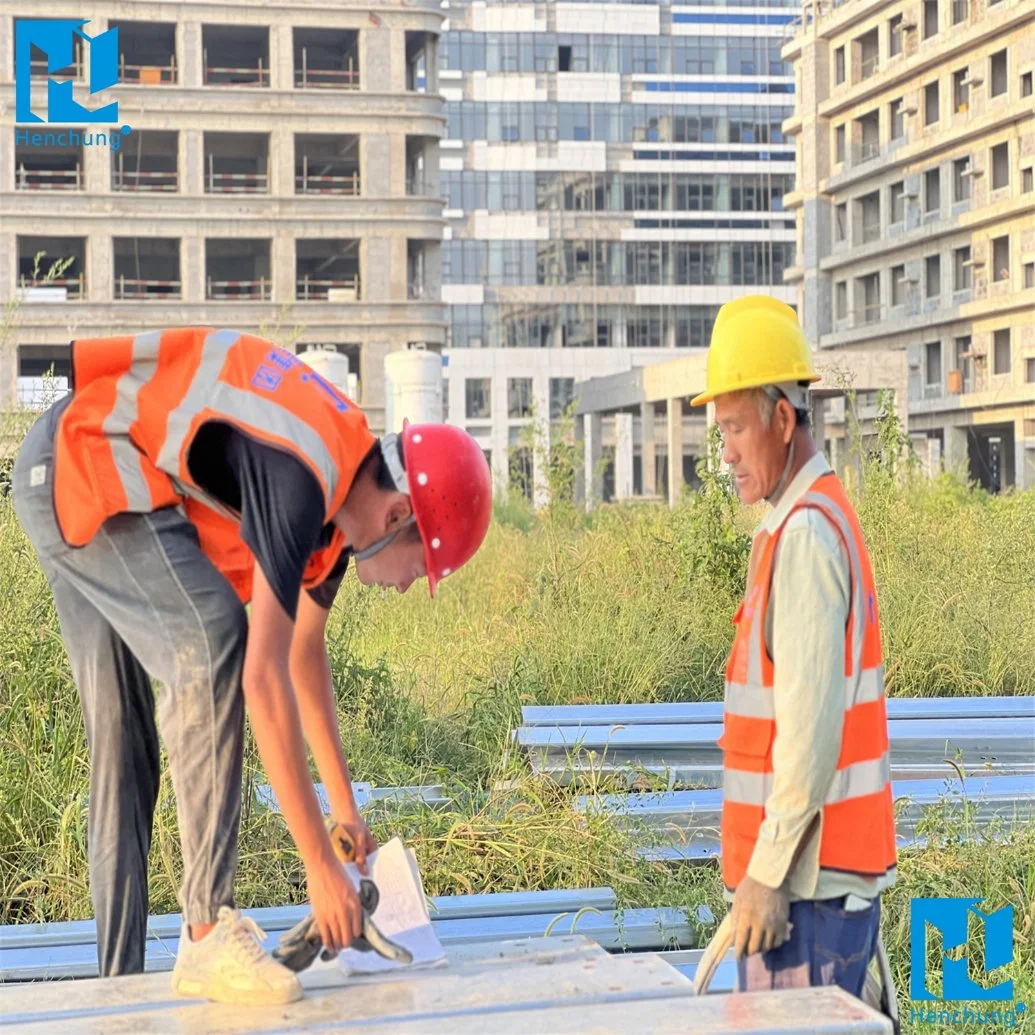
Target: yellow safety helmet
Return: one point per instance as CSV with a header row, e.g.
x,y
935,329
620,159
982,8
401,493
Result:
x,y
756,341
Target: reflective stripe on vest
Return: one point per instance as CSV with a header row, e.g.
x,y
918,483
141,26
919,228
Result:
x,y
859,797
138,402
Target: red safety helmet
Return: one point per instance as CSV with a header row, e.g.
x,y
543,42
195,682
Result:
x,y
451,493
446,476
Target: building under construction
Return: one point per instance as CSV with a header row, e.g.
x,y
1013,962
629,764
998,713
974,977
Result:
x,y
281,169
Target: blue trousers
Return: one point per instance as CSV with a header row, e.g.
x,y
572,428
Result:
x,y
828,946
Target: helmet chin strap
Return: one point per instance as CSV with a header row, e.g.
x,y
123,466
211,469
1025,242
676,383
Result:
x,y
390,453
385,541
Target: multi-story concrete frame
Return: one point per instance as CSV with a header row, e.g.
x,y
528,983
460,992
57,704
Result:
x,y
915,127
613,173
282,166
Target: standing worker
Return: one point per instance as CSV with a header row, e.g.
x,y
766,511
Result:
x,y
179,460
808,829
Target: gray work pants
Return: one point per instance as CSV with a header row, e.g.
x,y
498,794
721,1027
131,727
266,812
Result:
x,y
141,600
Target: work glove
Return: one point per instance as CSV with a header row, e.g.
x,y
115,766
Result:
x,y
760,917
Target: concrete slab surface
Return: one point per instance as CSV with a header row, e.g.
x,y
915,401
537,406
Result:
x,y
479,982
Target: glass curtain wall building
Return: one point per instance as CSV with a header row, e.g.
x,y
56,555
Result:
x,y
613,173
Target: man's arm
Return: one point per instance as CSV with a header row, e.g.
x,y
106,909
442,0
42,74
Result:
x,y
274,715
810,602
271,699
311,676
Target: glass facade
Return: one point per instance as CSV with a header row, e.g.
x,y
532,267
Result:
x,y
678,203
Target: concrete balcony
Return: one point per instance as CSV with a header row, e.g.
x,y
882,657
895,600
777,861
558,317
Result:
x,y
172,215
893,322
926,233
923,145
418,114
331,321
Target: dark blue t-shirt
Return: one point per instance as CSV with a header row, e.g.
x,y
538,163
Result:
x,y
280,503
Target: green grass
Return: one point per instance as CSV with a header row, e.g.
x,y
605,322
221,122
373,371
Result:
x,y
629,604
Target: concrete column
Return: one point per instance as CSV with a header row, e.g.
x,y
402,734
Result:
x,y
96,166
819,429
375,158
282,162
282,59
188,53
375,269
192,162
375,60
933,457
623,455
541,451
432,165
835,455
580,446
594,434
7,47
282,268
8,375
8,348
192,269
7,171
1024,458
100,268
397,272
397,166
675,451
8,264
957,458
648,450
397,60
431,67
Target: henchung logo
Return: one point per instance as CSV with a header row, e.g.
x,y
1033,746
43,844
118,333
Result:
x,y
56,38
962,926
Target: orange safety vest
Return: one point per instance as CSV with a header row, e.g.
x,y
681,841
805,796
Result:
x,y
858,822
138,402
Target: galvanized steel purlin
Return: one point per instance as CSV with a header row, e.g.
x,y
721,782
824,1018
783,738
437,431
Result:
x,y
681,817
689,751
711,711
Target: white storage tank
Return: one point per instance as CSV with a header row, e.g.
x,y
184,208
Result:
x,y
332,366
413,387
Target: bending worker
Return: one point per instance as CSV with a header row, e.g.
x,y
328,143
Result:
x,y
179,460
808,831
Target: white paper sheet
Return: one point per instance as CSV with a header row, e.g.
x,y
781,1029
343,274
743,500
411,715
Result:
x,y
401,915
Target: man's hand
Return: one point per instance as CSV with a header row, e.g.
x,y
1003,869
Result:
x,y
363,842
335,903
759,917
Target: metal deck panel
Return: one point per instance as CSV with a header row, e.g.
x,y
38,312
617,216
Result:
x,y
515,977
282,918
638,929
808,1011
570,986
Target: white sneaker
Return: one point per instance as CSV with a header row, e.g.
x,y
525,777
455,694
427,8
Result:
x,y
229,965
